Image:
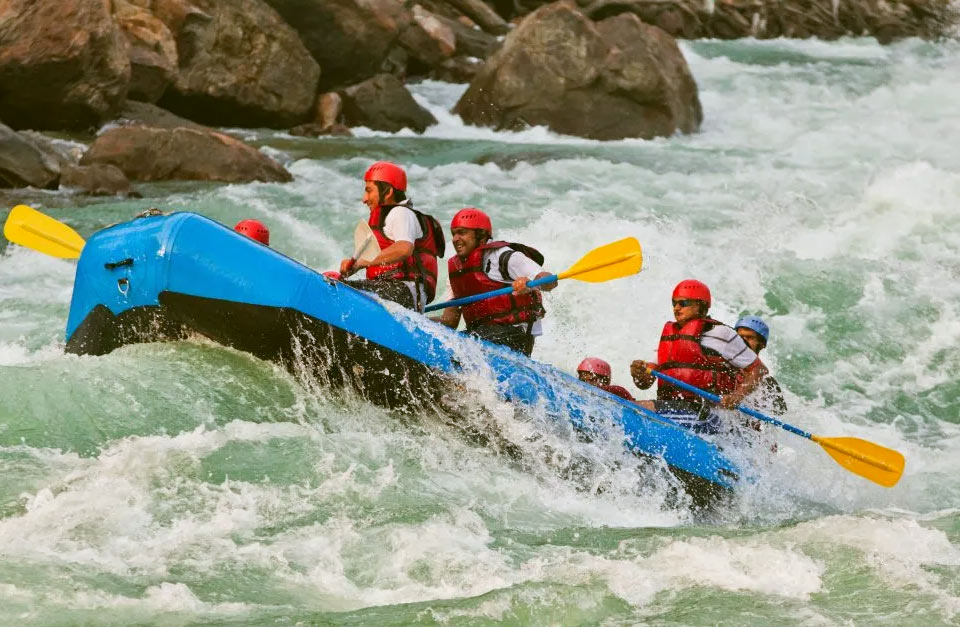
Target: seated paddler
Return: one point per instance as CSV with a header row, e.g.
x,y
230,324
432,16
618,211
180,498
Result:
x,y
405,271
596,372
701,352
481,265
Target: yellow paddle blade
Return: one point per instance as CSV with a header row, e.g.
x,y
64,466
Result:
x,y
619,259
28,227
365,245
872,461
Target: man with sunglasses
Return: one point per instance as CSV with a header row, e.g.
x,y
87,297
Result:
x,y
703,352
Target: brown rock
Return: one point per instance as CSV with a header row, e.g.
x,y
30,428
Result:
x,y
457,70
243,67
25,164
478,11
558,69
151,49
383,103
349,38
153,154
135,113
63,64
99,179
318,130
428,39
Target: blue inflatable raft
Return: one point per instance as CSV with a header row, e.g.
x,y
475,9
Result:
x,y
164,276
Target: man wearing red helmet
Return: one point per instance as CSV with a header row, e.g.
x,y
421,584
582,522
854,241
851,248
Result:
x,y
596,372
254,229
481,265
405,271
703,352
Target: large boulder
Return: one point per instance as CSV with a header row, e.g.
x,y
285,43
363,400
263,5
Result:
x,y
151,49
383,103
427,39
620,78
241,66
100,179
135,113
350,39
24,163
63,64
159,154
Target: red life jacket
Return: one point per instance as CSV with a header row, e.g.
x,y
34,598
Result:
x,y
619,391
421,266
467,277
681,356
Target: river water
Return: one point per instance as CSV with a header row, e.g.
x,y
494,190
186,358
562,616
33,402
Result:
x,y
186,483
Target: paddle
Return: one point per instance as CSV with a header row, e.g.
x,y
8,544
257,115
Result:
x,y
365,246
872,461
28,227
618,259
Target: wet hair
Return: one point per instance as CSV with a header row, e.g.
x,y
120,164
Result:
x,y
384,188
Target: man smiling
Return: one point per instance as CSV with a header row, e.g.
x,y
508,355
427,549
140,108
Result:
x,y
703,352
481,265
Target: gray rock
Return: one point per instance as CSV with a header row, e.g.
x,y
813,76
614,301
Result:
x,y
241,66
350,39
24,164
621,78
383,103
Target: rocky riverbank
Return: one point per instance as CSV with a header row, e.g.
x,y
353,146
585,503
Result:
x,y
166,71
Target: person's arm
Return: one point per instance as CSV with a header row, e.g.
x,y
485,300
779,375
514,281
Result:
x,y
752,375
391,254
520,285
641,378
522,270
449,318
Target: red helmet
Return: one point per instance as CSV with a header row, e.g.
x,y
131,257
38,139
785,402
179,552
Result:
x,y
691,288
595,365
387,172
254,229
471,218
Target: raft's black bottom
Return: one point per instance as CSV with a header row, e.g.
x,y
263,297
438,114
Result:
x,y
304,346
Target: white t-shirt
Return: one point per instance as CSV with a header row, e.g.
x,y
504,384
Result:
x,y
518,265
729,344
402,225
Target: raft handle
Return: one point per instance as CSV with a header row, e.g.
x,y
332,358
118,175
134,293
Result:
x,y
110,265
123,285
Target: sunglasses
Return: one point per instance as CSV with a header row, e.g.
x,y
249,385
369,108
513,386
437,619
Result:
x,y
686,302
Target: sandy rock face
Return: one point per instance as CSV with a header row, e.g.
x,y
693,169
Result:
x,y
241,65
619,78
151,49
159,154
63,64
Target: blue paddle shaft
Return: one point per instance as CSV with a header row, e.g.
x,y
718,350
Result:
x,y
466,300
716,399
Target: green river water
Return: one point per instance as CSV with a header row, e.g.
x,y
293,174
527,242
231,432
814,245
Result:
x,y
189,484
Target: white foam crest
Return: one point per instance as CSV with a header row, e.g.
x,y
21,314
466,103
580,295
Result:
x,y
34,277
744,565
900,550
16,354
102,513
163,598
